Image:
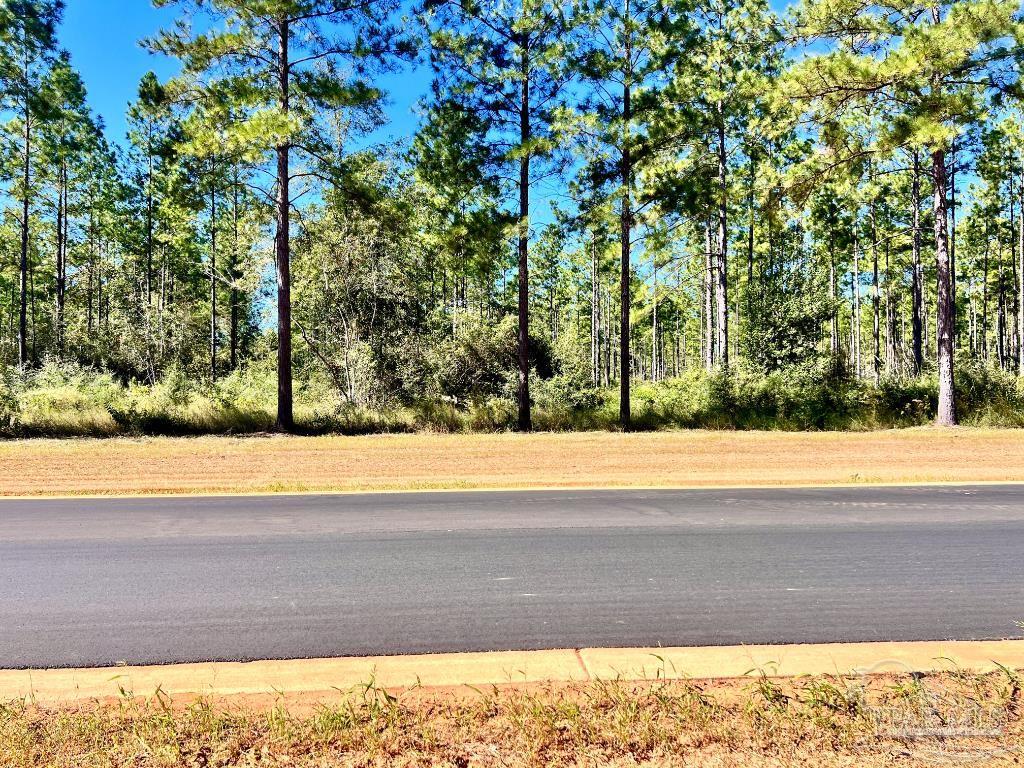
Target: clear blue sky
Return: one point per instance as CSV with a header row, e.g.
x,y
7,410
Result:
x,y
103,39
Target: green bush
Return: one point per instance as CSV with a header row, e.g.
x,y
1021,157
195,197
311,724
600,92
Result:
x,y
989,396
565,390
66,400
10,408
476,363
176,405
495,414
819,396
63,399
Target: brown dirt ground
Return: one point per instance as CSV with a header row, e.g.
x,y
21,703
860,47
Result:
x,y
824,721
434,461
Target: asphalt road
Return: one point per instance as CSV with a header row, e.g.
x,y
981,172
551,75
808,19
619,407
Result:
x,y
97,582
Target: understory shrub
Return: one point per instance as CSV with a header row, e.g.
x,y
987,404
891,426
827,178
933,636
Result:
x,y
60,399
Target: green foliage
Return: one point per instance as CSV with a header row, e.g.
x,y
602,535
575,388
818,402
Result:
x,y
478,362
62,400
819,396
225,68
990,397
778,192
934,59
784,323
10,408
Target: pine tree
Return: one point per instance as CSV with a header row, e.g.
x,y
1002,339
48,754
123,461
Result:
x,y
507,63
67,136
719,91
27,50
152,132
272,66
455,168
626,51
930,66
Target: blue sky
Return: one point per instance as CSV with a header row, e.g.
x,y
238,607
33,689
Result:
x,y
103,39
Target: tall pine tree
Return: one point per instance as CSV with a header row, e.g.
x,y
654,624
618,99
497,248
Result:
x,y
274,67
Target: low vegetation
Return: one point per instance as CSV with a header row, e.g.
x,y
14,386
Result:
x,y
760,721
63,400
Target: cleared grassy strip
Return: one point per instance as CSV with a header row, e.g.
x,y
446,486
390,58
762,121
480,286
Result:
x,y
433,461
760,721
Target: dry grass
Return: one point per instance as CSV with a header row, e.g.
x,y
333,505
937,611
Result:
x,y
756,722
428,461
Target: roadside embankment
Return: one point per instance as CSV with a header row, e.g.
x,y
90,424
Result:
x,y
548,460
377,712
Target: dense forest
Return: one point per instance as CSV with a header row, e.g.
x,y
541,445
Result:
x,y
636,213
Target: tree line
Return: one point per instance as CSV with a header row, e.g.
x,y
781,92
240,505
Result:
x,y
595,193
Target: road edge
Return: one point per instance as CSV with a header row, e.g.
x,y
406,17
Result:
x,y
157,494
332,676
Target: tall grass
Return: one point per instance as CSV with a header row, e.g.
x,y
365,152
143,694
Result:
x,y
62,400
823,721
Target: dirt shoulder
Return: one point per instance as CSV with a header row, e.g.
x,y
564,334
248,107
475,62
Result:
x,y
549,460
827,721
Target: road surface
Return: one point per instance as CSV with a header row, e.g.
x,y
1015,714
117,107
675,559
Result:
x,y
102,581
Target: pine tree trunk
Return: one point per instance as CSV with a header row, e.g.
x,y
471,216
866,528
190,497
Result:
x,y
952,233
1011,299
213,275
285,420
891,356
234,274
625,410
99,286
1001,314
13,304
1020,277
875,302
595,318
832,287
973,310
655,357
709,299
32,315
944,302
984,300
721,283
91,269
917,277
750,234
608,337
855,320
23,257
524,421
149,220
60,276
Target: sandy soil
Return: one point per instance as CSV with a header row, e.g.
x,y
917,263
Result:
x,y
428,461
827,722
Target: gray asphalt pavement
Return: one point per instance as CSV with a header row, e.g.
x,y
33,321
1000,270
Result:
x,y
97,582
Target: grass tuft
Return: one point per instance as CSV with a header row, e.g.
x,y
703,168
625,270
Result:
x,y
67,400
826,721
